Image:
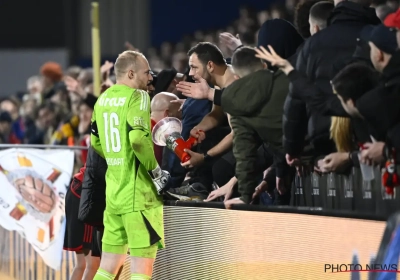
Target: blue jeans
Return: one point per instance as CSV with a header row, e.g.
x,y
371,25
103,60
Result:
x,y
265,199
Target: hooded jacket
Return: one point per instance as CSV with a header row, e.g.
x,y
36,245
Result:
x,y
321,58
255,104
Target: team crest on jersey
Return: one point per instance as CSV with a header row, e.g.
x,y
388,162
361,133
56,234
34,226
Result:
x,y
139,121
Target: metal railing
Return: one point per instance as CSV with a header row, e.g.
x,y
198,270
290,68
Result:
x,y
345,192
329,192
39,146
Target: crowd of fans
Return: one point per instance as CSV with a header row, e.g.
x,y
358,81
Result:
x,y
246,26
332,75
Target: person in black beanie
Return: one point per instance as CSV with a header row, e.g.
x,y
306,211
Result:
x,y
167,80
151,88
268,35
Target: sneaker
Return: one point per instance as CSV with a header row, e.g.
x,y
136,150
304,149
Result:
x,y
171,196
195,191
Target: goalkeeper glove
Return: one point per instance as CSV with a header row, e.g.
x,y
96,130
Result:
x,y
160,179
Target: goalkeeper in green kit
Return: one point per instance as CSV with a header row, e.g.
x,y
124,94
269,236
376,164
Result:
x,y
121,134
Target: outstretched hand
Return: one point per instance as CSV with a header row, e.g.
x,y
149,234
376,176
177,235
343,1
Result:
x,y
105,70
225,191
198,90
373,153
275,60
229,41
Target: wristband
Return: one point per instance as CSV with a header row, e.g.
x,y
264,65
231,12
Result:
x,y
238,47
218,97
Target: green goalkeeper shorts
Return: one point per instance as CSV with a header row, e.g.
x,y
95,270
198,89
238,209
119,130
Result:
x,y
141,231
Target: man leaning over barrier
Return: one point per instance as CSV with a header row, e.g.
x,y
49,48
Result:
x,y
260,121
121,134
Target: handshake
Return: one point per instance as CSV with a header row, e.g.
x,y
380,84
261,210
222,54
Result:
x,y
160,178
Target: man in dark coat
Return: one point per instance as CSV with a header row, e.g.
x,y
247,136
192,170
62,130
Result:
x,y
322,56
255,105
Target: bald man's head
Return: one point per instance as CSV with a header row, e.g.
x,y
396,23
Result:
x,y
133,70
161,106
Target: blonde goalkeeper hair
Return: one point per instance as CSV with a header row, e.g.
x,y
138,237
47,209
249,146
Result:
x,y
341,134
126,61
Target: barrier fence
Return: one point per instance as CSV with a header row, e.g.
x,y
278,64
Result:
x,y
345,192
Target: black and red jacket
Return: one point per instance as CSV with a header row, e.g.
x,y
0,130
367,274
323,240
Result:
x,y
93,195
76,186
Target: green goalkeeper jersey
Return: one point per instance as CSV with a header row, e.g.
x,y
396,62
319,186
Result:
x,y
121,134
